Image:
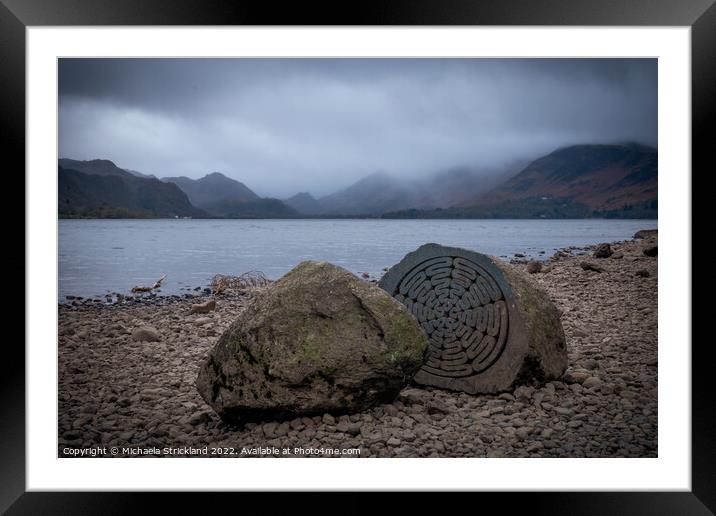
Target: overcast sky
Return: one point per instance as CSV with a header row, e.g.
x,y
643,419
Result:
x,y
288,125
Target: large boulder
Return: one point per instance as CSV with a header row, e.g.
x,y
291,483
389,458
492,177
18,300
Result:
x,y
490,325
318,340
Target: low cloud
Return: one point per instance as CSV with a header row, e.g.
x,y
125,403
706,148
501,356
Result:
x,y
288,125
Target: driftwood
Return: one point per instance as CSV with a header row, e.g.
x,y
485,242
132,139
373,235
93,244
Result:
x,y
157,284
251,279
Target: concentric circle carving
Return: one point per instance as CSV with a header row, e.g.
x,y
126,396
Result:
x,y
462,309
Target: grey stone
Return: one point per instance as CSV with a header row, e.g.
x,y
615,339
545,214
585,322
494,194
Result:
x,y
588,266
319,340
490,324
524,393
592,383
651,251
145,333
534,266
645,233
603,251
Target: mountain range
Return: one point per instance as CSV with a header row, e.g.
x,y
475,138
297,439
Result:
x,y
222,196
100,189
572,182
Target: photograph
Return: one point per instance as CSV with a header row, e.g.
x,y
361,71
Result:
x,y
357,257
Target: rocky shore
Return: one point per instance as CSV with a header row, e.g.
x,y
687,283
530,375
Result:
x,y
127,373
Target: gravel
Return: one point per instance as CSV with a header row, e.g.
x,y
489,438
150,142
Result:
x,y
116,389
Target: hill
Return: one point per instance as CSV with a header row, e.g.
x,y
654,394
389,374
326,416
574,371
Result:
x,y
257,209
614,181
114,194
213,188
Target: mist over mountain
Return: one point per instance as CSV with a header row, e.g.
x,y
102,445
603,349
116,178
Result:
x,y
282,126
380,192
572,182
304,203
140,174
602,177
578,181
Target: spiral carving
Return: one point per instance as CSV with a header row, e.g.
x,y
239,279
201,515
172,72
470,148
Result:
x,y
462,309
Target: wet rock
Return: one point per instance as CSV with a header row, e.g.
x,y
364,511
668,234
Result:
x,y
317,341
651,251
603,251
645,233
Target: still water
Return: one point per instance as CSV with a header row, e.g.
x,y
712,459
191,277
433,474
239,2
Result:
x,y
101,256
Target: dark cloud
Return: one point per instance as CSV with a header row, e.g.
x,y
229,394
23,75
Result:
x,y
288,125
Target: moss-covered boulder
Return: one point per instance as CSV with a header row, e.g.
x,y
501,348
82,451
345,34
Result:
x,y
490,325
318,340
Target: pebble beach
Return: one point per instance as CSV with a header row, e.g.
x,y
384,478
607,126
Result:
x,y
127,371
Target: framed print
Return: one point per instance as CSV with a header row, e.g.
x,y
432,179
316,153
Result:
x,y
423,235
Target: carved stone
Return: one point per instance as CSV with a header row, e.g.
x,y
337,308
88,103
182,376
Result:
x,y
490,326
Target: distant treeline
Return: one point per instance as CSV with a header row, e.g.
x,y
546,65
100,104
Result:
x,y
535,208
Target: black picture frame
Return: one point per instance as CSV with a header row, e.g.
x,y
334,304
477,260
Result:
x,y
700,15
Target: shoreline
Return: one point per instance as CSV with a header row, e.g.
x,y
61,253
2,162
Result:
x,y
198,292
116,391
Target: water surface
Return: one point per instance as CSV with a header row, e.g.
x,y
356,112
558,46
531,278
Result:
x,y
101,256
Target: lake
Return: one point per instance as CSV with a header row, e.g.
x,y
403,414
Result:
x,y
101,256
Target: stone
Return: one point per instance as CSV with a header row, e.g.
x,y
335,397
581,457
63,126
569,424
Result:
x,y
643,273
437,407
524,392
203,308
533,267
202,321
591,364
603,251
592,383
145,334
573,377
588,266
414,396
651,251
490,325
645,233
319,340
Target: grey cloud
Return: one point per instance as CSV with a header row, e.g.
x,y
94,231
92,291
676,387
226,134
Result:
x,y
288,125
